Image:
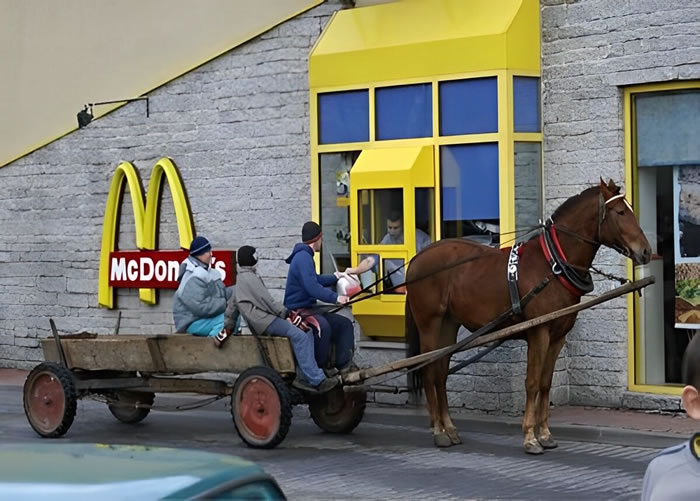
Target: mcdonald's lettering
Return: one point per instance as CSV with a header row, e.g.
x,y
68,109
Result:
x,y
148,269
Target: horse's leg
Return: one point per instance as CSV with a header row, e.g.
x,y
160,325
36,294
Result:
x,y
440,438
429,340
544,436
448,335
537,343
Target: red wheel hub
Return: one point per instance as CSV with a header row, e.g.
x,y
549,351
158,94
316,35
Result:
x,y
47,402
259,408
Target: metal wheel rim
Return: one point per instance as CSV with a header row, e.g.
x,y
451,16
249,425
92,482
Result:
x,y
46,401
258,408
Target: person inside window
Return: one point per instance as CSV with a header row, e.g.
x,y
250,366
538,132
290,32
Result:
x,y
394,236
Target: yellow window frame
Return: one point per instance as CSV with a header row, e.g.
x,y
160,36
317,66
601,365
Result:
x,y
634,359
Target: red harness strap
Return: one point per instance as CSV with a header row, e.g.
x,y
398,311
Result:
x,y
550,259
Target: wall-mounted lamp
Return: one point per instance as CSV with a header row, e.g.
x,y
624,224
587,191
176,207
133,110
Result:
x,y
85,116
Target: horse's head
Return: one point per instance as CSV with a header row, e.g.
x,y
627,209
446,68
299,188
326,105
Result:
x,y
618,227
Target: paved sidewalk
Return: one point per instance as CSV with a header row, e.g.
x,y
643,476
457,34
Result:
x,y
583,423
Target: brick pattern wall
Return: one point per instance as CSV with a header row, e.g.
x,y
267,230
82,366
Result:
x,y
237,129
590,50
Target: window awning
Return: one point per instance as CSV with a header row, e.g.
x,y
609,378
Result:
x,y
393,168
425,38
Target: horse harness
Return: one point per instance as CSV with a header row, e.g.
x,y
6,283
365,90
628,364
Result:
x,y
577,282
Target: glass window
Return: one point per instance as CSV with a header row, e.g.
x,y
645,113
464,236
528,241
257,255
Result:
x,y
343,117
469,176
376,209
404,111
425,217
667,129
668,175
528,185
469,106
335,208
526,104
394,276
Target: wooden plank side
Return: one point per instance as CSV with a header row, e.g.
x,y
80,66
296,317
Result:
x,y
183,354
189,354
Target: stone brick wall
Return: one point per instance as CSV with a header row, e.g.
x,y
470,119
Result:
x,y
591,49
237,129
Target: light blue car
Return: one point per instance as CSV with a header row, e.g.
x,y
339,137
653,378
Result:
x,y
65,471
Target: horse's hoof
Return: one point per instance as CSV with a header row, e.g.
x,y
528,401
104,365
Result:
x,y
548,442
442,440
533,447
454,438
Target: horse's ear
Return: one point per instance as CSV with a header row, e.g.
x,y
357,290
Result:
x,y
604,189
614,189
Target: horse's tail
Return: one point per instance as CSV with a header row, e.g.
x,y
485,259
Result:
x,y
415,378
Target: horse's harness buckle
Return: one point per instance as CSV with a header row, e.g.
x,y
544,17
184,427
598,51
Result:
x,y
556,269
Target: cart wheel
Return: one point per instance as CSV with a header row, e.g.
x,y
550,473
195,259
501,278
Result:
x,y
127,411
261,406
337,411
50,399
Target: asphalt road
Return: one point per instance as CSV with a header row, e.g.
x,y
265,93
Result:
x,y
389,456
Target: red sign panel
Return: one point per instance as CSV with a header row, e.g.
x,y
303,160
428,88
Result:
x,y
160,269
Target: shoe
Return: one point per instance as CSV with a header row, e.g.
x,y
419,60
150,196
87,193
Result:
x,y
351,367
330,372
302,385
328,384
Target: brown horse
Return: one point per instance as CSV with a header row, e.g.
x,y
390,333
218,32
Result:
x,y
475,292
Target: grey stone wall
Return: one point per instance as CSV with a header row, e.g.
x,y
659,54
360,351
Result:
x,y
238,130
591,49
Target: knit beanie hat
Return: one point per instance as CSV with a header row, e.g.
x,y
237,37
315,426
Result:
x,y
310,232
246,256
199,246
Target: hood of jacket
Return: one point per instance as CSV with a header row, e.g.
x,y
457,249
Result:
x,y
300,247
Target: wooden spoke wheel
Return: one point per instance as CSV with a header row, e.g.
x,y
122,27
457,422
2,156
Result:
x,y
261,406
126,408
337,411
50,399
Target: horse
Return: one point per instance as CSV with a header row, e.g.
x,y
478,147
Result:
x,y
457,282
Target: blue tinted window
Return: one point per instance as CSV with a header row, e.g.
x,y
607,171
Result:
x,y
469,175
468,106
526,104
404,111
343,117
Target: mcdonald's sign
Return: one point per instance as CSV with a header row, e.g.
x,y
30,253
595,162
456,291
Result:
x,y
147,268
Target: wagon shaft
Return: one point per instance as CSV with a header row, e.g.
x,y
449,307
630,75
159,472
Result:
x,y
363,374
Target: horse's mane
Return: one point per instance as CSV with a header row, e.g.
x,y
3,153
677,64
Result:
x,y
570,203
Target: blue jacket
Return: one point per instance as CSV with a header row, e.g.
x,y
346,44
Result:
x,y
304,286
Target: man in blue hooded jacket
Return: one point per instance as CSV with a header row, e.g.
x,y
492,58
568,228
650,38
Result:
x,y
305,287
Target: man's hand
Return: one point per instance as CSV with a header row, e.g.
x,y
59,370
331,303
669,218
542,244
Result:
x,y
343,299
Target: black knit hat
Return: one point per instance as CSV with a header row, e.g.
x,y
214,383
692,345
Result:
x,y
246,256
310,232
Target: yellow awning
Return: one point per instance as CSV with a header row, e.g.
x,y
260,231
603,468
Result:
x,y
393,168
425,38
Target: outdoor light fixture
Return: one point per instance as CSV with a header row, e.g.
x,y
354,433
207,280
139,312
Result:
x,y
85,116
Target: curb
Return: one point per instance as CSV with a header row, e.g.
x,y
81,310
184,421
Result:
x,y
502,425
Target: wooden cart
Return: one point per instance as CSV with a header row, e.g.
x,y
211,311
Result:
x,y
128,370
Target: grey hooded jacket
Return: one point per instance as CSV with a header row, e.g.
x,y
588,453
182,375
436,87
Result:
x,y
254,301
201,294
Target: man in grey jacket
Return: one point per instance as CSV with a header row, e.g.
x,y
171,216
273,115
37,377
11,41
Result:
x,y
200,300
265,315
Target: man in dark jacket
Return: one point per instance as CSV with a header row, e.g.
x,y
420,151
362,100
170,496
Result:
x,y
305,287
